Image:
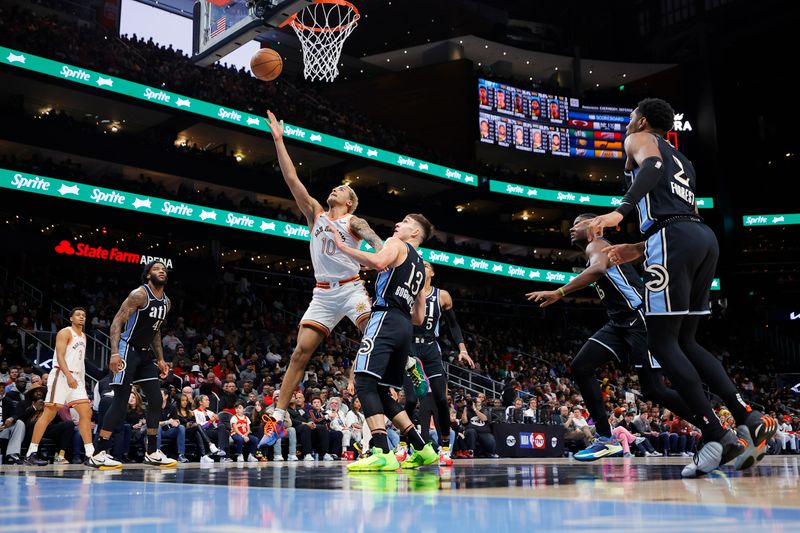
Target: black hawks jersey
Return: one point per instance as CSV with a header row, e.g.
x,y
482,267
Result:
x,y
675,192
620,290
433,314
397,287
143,325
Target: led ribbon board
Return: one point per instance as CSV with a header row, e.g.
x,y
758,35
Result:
x,y
81,192
566,197
771,220
172,100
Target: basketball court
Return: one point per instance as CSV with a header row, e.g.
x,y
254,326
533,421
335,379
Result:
x,y
472,495
480,495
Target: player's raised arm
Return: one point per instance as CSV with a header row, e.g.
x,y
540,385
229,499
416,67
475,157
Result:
x,y
362,230
308,206
137,299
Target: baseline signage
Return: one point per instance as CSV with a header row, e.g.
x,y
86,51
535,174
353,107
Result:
x,y
81,192
210,110
529,440
566,197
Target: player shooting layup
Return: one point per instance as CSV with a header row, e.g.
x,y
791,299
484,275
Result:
x,y
339,291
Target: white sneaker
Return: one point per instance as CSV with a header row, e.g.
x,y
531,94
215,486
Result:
x,y
213,449
308,458
206,460
226,460
278,458
240,458
327,457
292,458
158,458
657,454
251,459
639,440
103,461
688,454
648,454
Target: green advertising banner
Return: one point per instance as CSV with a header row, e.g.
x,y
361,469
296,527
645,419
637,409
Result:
x,y
225,114
566,197
771,220
81,192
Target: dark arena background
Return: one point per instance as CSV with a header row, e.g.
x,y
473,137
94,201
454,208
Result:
x,y
137,154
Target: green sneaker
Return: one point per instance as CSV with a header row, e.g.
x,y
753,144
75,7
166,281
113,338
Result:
x,y
376,462
418,379
426,456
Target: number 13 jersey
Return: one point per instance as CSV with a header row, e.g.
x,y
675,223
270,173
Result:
x,y
397,287
329,263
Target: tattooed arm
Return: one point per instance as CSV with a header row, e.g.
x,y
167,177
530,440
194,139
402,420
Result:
x,y
137,299
361,229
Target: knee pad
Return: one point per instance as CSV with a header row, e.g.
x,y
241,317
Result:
x,y
390,407
367,390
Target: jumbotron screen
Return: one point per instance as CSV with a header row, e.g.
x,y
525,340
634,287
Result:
x,y
541,123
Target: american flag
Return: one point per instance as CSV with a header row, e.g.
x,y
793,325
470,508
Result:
x,y
221,25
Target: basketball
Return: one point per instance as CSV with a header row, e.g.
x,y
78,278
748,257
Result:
x,y
266,64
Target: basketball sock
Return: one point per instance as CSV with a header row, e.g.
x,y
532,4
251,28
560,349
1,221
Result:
x,y
89,449
102,445
380,440
278,414
414,438
152,443
590,357
32,449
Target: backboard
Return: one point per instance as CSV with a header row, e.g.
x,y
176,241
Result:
x,y
221,26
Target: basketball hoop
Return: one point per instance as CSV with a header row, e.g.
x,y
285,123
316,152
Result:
x,y
322,28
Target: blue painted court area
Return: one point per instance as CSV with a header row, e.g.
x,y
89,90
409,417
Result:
x,y
162,501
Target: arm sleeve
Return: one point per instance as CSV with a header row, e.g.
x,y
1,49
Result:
x,y
649,174
452,323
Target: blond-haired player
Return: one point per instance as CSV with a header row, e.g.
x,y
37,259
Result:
x,y
66,385
339,292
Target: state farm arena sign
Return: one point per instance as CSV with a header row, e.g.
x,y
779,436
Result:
x,y
115,255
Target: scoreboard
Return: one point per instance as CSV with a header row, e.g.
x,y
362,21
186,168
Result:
x,y
542,123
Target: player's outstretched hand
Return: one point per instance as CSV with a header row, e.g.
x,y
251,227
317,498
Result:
x,y
337,238
545,297
619,254
275,126
464,356
596,225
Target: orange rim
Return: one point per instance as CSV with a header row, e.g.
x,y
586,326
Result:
x,y
300,26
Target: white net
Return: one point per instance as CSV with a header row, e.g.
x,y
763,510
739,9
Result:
x,y
322,28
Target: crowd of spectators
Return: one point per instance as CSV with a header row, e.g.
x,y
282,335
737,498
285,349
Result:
x,y
145,61
228,348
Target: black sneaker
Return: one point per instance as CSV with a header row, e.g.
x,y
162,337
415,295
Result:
x,y
713,455
34,460
13,459
762,428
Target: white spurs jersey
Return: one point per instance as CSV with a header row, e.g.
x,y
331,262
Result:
x,y
75,353
330,264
